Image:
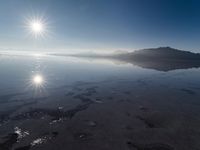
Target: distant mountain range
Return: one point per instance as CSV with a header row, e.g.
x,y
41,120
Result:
x,y
162,58
161,53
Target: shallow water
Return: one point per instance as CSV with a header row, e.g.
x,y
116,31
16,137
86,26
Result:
x,y
96,104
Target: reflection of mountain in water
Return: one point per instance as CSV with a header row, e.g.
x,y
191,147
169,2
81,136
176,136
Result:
x,y
163,58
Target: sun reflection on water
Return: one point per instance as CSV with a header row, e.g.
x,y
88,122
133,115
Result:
x,y
37,85
38,79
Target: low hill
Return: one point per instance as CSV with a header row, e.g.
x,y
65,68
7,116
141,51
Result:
x,y
161,53
162,58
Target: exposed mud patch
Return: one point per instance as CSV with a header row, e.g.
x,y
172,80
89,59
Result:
x,y
27,147
188,91
147,122
55,114
155,146
10,140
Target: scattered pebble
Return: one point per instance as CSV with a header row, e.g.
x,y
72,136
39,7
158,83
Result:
x,y
38,141
56,121
143,108
97,100
91,123
82,136
60,108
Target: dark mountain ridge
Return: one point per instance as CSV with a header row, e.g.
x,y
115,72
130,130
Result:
x,y
162,58
161,53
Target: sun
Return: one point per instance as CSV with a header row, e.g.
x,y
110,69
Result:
x,y
37,26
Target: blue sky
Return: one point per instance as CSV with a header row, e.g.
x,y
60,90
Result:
x,y
102,25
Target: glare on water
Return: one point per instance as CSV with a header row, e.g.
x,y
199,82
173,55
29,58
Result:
x,y
38,79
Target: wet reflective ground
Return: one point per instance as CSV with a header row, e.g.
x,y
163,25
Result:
x,y
58,103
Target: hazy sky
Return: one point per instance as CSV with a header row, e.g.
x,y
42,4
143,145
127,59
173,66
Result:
x,y
101,24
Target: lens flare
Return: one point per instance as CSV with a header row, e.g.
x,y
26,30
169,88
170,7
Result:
x,y
37,26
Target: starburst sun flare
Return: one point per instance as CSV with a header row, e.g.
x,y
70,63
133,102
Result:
x,y
37,26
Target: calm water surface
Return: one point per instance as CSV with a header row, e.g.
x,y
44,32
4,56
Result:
x,y
96,104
